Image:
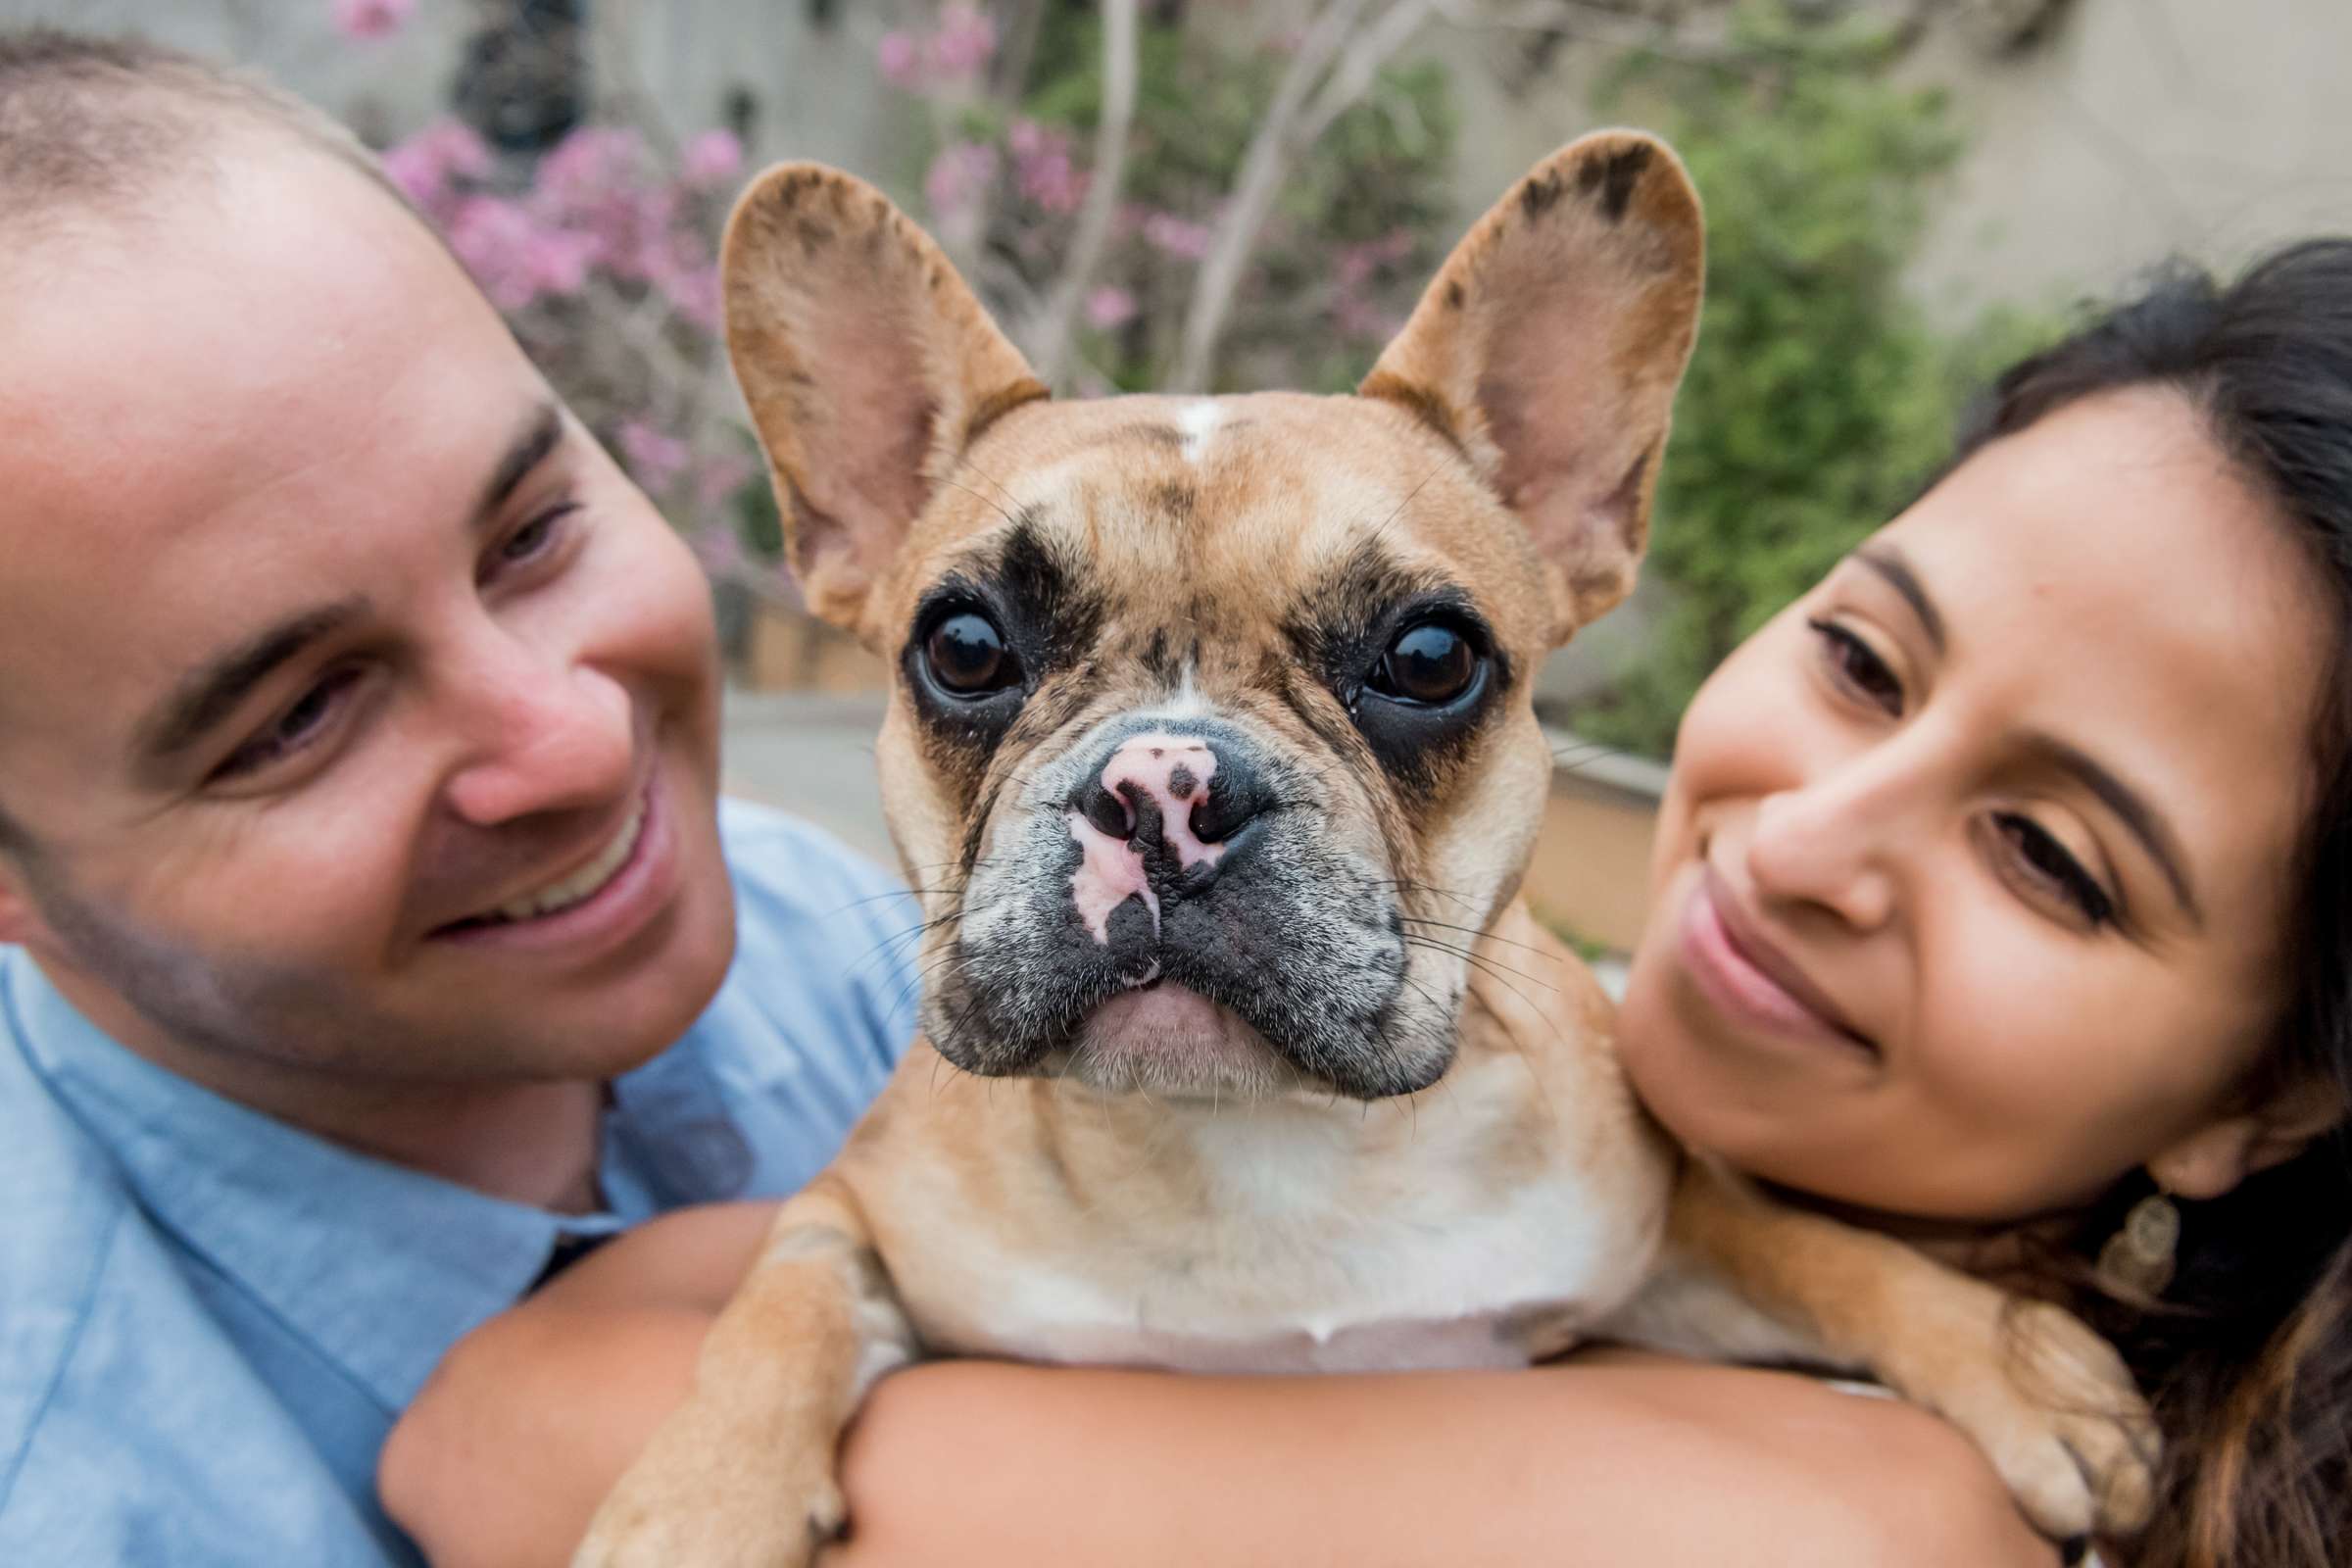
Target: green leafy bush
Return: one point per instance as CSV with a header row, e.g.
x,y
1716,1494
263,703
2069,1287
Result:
x,y
1818,399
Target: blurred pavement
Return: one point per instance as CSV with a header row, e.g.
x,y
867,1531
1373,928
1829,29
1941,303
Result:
x,y
811,753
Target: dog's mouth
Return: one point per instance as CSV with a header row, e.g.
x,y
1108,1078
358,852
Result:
x,y
1165,1038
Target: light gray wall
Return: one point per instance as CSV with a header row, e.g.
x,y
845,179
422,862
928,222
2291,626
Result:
x,y
2210,127
2138,129
817,89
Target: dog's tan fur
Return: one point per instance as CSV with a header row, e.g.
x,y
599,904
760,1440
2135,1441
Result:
x,y
1249,1216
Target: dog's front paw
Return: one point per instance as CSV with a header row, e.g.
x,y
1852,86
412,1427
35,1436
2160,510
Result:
x,y
2056,1410
693,1500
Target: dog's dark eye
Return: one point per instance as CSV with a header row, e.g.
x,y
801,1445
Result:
x,y
968,656
1430,664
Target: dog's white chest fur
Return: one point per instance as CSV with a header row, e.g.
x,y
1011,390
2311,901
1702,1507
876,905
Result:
x,y
1307,1237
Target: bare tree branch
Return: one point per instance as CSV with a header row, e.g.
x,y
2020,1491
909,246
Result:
x,y
1051,334
1352,79
1280,138
1018,27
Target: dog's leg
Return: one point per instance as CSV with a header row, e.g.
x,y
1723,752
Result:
x,y
2049,1402
742,1475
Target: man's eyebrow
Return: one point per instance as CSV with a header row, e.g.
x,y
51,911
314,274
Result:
x,y
1889,563
215,689
2144,820
529,449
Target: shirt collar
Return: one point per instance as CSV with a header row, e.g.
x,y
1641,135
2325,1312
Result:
x,y
380,1267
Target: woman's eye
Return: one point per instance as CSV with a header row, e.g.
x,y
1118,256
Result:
x,y
534,539
1431,664
2048,863
968,656
1858,666
294,729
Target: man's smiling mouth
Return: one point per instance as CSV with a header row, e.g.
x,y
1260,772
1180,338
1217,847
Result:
x,y
574,889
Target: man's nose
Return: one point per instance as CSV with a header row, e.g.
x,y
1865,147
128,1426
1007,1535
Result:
x,y
1175,797
1835,842
543,737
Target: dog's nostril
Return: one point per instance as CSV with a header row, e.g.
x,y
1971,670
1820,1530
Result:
x,y
1225,808
1108,813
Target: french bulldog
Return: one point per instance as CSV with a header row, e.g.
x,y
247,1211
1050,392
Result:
x,y
1211,752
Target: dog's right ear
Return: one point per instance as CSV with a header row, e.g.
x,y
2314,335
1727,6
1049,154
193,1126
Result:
x,y
1547,350
868,367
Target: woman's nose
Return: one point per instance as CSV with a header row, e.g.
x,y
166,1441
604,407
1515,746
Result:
x,y
545,738
1833,841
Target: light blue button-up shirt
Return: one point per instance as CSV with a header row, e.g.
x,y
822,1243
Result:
x,y
208,1320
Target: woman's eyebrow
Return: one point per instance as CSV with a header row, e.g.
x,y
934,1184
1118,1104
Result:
x,y
2144,822
534,439
1889,563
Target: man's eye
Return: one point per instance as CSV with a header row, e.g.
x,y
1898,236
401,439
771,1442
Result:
x,y
295,729
1857,667
2048,862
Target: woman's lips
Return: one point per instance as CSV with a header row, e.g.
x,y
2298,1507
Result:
x,y
1751,981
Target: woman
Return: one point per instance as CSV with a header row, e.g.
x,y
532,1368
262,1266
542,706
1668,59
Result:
x,y
2004,900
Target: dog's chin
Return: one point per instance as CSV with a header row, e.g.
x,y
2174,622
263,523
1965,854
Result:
x,y
1169,1042
1176,1041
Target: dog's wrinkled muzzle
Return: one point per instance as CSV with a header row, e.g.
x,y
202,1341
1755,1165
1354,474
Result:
x,y
1183,848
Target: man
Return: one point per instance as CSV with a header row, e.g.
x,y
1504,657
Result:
x,y
369,912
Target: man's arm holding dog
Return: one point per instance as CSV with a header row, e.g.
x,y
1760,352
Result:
x,y
532,1419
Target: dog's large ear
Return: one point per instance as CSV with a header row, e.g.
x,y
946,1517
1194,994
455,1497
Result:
x,y
868,367
1549,347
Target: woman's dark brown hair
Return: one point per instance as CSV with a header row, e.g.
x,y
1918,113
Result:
x,y
2248,1357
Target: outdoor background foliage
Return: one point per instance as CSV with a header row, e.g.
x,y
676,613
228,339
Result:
x,y
1311,173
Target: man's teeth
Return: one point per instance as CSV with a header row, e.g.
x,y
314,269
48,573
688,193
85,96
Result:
x,y
583,884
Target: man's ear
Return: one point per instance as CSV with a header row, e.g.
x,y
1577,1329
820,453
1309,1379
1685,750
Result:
x,y
2225,1151
868,367
1549,347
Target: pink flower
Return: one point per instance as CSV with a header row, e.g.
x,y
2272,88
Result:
x,y
1108,307
490,236
712,158
1178,236
692,292
901,61
655,459
429,165
589,166
722,552
371,19
720,478
558,261
515,256
965,41
961,171
1043,166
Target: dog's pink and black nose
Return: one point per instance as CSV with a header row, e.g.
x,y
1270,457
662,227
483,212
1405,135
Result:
x,y
1161,808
